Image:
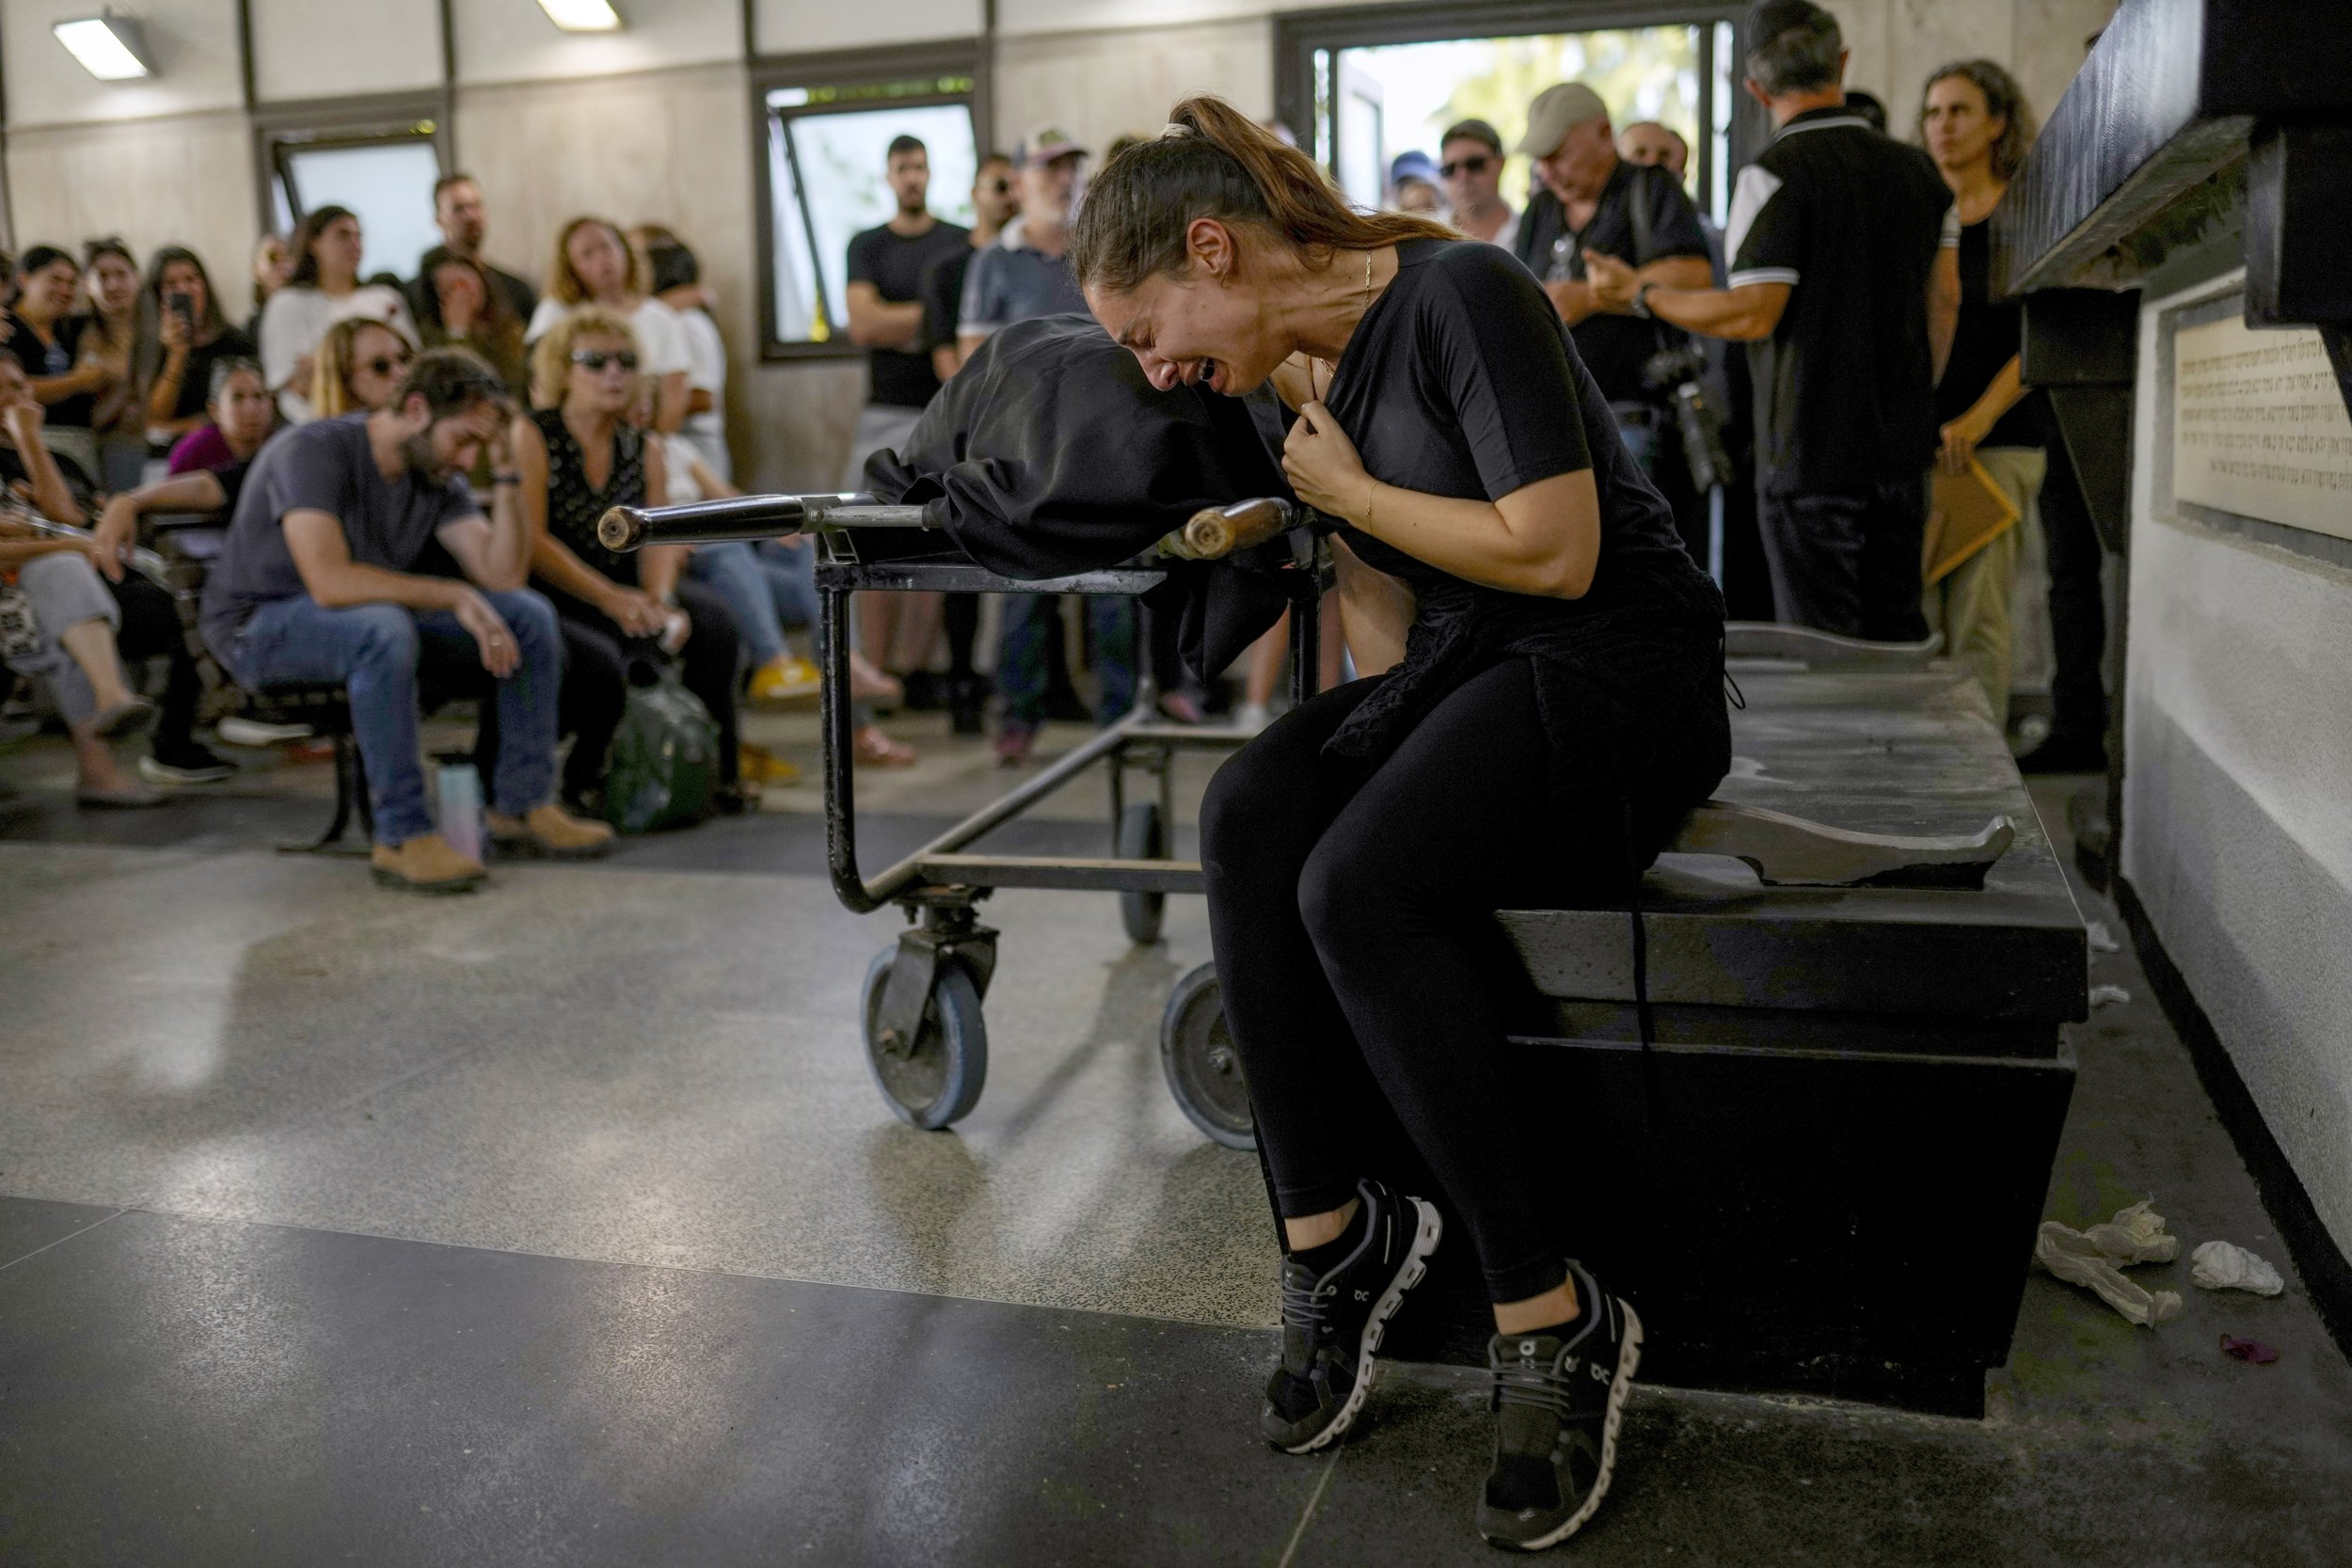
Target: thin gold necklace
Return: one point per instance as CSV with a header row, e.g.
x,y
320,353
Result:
x,y
1331,367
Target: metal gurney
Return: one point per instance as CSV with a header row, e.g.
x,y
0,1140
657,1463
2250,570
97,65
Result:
x,y
926,1039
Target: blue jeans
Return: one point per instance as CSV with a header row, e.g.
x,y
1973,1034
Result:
x,y
791,581
1021,673
374,650
735,574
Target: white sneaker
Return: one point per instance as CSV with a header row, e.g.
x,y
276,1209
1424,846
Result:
x,y
234,731
1249,718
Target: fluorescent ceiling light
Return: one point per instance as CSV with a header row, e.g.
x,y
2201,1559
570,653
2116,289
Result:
x,y
582,16
108,46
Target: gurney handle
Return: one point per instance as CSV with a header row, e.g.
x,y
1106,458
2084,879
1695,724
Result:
x,y
629,528
1217,531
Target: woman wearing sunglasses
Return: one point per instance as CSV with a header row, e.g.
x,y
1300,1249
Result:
x,y
579,455
356,367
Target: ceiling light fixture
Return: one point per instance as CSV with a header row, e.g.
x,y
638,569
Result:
x,y
109,46
582,16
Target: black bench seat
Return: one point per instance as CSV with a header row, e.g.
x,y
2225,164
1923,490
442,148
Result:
x,y
1824,1173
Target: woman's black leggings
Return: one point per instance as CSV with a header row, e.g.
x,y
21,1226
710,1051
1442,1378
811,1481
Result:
x,y
151,626
1352,917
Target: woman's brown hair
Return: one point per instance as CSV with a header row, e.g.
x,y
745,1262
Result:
x,y
564,284
2004,101
1215,162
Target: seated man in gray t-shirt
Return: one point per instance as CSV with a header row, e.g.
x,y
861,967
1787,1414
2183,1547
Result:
x,y
317,582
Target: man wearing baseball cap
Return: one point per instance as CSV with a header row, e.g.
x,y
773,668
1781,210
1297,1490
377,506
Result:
x,y
1845,284
1588,201
1026,274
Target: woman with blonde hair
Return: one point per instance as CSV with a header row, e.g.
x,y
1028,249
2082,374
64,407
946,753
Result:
x,y
357,366
1977,127
578,456
325,287
594,264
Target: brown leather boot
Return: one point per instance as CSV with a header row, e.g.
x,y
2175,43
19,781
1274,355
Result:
x,y
426,864
552,831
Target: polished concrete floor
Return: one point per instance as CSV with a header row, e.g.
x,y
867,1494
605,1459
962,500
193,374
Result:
x,y
561,1223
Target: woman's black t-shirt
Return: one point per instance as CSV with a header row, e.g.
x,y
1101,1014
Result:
x,y
1461,381
56,357
1988,335
195,382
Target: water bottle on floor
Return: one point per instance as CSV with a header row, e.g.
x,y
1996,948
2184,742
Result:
x,y
460,790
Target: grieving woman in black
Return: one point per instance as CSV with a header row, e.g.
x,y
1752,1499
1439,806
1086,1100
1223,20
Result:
x,y
1543,704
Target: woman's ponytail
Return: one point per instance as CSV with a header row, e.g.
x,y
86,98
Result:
x,y
1215,162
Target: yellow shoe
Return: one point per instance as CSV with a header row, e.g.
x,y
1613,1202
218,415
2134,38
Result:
x,y
426,863
762,765
784,680
550,831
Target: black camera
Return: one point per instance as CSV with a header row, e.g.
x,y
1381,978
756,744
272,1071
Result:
x,y
1676,371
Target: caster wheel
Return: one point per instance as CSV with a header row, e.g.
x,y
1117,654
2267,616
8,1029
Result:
x,y
1203,1068
937,1079
1142,836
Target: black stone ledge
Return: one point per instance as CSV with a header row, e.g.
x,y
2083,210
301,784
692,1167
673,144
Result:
x,y
2150,135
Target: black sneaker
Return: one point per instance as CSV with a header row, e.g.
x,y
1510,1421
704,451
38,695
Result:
x,y
1332,1322
1558,1400
197,765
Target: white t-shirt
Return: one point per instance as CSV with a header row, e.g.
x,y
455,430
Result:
x,y
706,372
295,323
660,341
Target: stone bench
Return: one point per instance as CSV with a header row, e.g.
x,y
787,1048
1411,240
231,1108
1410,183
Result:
x,y
1825,1172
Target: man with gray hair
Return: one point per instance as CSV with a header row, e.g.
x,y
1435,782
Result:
x,y
1845,284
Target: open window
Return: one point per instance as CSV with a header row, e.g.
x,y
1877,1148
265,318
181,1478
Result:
x,y
826,128
379,158
1360,86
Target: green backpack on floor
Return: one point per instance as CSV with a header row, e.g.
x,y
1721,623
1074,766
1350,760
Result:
x,y
665,759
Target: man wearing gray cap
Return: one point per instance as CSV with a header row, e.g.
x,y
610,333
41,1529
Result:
x,y
1845,284
1588,201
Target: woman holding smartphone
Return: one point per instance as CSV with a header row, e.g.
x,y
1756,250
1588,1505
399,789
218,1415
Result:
x,y
182,336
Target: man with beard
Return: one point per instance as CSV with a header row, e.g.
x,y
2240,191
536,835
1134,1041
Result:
x,y
317,582
885,298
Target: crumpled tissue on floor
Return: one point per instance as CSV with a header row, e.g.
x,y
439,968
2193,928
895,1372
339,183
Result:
x,y
2096,1257
2225,1266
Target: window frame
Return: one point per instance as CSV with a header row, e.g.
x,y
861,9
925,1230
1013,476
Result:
x,y
966,58
1299,36
333,125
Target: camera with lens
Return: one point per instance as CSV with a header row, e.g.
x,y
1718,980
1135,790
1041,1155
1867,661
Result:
x,y
1676,371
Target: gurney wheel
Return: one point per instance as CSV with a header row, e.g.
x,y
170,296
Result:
x,y
1203,1068
937,1080
1142,836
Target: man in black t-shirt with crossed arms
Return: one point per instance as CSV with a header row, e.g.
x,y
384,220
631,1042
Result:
x,y
1844,285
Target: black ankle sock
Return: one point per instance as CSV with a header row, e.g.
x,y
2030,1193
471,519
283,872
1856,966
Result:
x,y
1323,1258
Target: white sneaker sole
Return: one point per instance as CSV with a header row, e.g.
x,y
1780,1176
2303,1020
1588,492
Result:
x,y
1428,1225
1628,1357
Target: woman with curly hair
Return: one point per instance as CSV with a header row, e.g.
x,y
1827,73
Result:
x,y
1977,127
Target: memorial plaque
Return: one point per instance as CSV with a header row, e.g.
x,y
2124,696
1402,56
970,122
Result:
x,y
2259,426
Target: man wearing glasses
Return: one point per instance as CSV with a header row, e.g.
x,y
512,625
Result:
x,y
1470,164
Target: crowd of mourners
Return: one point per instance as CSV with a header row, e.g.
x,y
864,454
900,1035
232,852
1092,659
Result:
x,y
411,471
